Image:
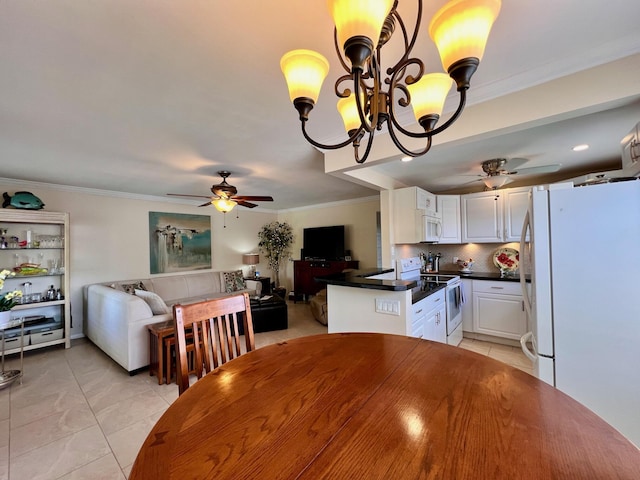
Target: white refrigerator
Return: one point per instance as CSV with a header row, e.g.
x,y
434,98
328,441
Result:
x,y
583,253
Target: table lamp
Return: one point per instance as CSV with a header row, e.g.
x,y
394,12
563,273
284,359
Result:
x,y
251,259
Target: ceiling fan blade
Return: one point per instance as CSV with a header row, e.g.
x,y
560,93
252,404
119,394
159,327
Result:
x,y
186,195
245,204
514,163
205,204
255,198
534,170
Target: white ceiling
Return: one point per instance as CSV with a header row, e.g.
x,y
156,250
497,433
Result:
x,y
151,97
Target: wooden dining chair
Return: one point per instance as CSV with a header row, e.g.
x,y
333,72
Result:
x,y
211,328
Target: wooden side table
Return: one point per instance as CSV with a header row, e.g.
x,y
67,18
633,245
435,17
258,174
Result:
x,y
158,332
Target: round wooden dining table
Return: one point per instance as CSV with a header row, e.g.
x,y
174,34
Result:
x,y
373,406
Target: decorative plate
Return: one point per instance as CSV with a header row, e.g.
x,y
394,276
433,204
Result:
x,y
506,259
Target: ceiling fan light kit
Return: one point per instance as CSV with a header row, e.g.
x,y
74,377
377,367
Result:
x,y
459,29
225,196
496,181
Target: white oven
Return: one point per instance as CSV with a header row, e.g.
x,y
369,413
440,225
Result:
x,y
454,312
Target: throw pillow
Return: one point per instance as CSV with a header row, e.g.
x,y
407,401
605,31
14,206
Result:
x,y
130,288
233,281
157,305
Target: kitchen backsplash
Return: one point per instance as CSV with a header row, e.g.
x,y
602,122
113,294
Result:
x,y
481,253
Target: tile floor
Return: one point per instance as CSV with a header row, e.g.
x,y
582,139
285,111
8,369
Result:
x,y
78,415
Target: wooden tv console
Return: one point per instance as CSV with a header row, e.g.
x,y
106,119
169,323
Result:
x,y
304,272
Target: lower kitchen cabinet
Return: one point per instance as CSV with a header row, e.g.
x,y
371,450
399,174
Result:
x,y
430,317
498,309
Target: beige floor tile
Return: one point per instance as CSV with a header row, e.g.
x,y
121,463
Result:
x,y
104,468
24,412
60,457
126,412
475,346
48,429
126,443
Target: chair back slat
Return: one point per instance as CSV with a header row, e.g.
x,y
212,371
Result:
x,y
214,327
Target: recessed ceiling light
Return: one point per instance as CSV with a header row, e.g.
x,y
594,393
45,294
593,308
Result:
x,y
406,159
579,148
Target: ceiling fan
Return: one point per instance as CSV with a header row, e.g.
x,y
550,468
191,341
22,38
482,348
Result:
x,y
224,196
499,170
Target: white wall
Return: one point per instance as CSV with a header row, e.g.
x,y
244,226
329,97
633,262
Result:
x,y
110,239
359,219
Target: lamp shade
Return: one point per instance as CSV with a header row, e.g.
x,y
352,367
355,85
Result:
x,y
224,205
461,27
429,94
359,18
304,71
250,258
496,181
349,112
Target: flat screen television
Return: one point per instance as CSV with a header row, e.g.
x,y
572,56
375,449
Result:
x,y
323,243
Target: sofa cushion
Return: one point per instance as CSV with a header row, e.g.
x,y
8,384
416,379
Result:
x,y
171,287
157,305
233,281
200,284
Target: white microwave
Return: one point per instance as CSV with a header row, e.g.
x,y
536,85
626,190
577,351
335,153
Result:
x,y
431,228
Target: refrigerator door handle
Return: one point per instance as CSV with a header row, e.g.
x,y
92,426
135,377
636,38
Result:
x,y
526,226
523,344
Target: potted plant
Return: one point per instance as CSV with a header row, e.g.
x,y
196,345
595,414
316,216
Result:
x,y
275,240
8,300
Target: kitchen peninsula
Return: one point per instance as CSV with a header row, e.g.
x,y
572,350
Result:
x,y
370,301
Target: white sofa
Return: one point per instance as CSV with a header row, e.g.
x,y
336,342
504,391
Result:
x,y
116,321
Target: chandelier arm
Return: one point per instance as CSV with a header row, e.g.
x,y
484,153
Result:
x,y
352,138
408,45
361,108
432,132
405,150
367,150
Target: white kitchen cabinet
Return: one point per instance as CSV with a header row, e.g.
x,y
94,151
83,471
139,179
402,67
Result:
x,y
435,317
410,205
495,216
448,207
418,319
47,322
498,309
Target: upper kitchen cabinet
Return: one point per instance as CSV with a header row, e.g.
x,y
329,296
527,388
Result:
x,y
415,198
515,201
448,207
495,216
482,217
415,218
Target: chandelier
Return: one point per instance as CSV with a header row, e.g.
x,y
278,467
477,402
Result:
x,y
459,29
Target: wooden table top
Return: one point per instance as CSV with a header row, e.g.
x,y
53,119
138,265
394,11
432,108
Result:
x,y
372,406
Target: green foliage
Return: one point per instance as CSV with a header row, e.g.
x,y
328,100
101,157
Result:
x,y
275,240
8,300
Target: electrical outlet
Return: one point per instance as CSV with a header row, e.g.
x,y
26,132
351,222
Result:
x,y
455,259
390,307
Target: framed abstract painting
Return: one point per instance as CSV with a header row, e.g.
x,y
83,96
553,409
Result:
x,y
179,242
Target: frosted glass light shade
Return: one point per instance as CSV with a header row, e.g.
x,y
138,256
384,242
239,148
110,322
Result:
x,y
461,27
349,112
496,181
359,17
304,71
429,94
224,205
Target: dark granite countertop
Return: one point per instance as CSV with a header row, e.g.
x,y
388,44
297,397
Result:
x,y
358,279
484,276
